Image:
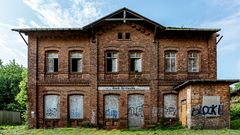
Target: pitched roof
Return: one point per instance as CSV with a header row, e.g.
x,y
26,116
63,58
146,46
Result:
x,y
182,85
124,15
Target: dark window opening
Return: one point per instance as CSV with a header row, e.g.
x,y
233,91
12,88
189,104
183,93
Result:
x,y
120,36
127,35
132,65
55,65
109,65
75,64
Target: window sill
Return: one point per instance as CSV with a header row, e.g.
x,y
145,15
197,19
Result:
x,y
51,73
124,40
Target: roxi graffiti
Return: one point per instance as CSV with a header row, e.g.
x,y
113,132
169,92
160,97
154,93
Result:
x,y
212,110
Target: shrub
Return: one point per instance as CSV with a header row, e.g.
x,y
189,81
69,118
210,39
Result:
x,y
235,111
235,124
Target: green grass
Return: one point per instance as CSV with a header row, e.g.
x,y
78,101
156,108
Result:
x,y
23,130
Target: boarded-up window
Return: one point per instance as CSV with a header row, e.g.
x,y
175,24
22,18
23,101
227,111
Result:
x,y
111,107
170,106
76,61
52,107
170,61
135,62
76,106
193,61
52,62
111,62
211,106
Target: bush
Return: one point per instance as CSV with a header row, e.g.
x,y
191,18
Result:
x,y
235,124
235,111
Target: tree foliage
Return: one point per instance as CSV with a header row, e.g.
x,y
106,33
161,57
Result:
x,y
21,97
235,86
10,77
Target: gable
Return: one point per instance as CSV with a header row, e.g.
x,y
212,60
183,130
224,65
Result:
x,y
124,15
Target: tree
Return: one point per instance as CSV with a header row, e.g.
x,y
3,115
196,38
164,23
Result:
x,y
10,77
21,97
235,86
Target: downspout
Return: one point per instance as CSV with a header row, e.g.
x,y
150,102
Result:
x,y
37,83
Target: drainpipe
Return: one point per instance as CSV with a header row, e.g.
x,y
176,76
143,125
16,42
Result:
x,y
37,83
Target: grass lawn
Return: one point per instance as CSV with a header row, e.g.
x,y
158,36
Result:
x,y
23,130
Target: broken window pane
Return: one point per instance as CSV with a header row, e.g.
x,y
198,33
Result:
x,y
76,107
111,62
52,110
135,62
111,106
127,35
76,62
52,59
120,35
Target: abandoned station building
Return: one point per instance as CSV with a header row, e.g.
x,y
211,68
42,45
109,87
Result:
x,y
124,71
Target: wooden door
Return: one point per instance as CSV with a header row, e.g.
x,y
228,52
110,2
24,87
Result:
x,y
184,113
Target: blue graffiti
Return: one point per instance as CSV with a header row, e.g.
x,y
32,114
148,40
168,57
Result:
x,y
111,113
75,114
208,110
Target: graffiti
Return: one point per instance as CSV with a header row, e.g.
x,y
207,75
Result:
x,y
51,112
136,111
93,117
75,115
212,110
170,106
170,111
111,113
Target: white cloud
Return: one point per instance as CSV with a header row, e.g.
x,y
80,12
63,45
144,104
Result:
x,y
53,14
49,13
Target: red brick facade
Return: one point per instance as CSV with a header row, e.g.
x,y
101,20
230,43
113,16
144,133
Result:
x,y
94,83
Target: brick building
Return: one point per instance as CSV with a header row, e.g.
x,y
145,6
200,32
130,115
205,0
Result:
x,y
124,70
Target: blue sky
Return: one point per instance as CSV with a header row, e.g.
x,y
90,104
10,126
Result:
x,y
224,14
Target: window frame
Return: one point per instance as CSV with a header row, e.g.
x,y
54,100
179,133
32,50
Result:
x,y
69,107
54,58
80,58
112,58
191,66
58,106
137,58
170,59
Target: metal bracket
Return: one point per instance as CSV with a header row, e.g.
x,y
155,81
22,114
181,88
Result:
x,y
23,38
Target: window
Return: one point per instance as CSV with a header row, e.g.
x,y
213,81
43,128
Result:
x,y
52,62
111,62
193,62
52,104
111,107
76,61
76,107
135,62
170,61
120,35
127,35
170,106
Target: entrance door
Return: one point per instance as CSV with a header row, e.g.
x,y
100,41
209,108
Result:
x,y
135,111
184,113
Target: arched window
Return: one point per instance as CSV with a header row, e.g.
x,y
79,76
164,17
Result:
x,y
170,61
52,62
52,107
76,107
76,61
111,106
111,61
193,61
135,62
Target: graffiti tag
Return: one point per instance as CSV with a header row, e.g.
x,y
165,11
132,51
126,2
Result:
x,y
212,110
51,112
136,111
111,113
